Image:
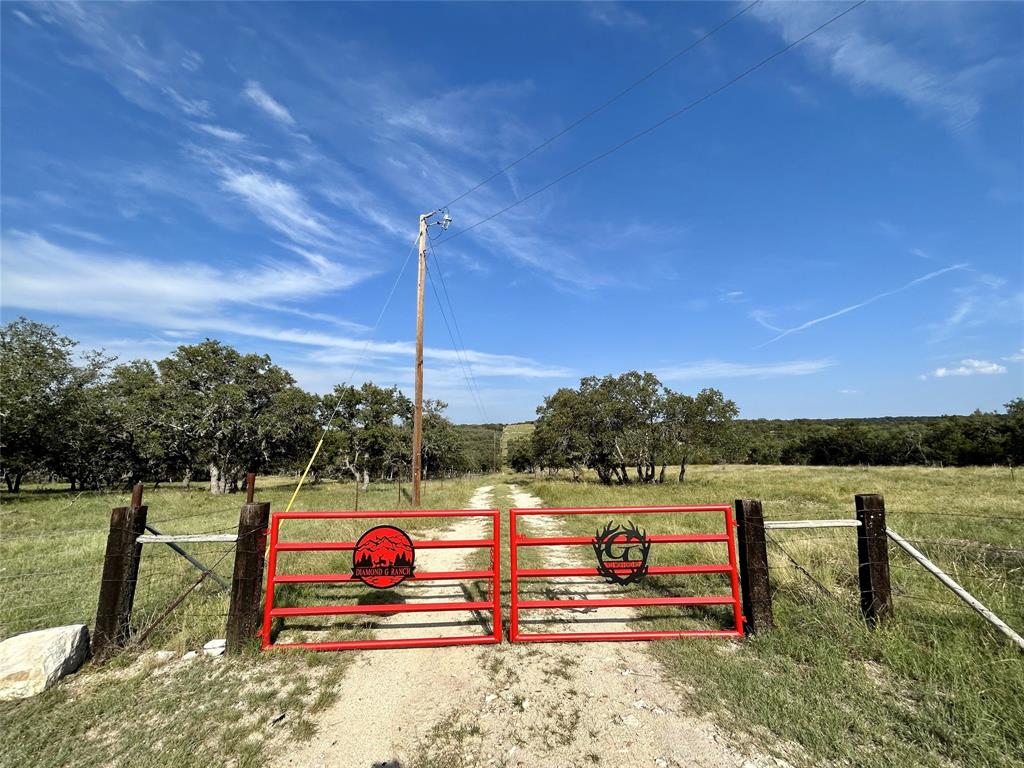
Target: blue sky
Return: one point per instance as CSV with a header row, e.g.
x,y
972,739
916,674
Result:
x,y
838,234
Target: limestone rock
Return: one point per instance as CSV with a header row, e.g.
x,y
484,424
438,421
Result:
x,y
32,662
215,647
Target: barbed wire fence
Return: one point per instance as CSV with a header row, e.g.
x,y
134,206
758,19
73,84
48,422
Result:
x,y
35,594
808,566
979,551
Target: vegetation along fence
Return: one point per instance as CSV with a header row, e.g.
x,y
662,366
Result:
x,y
920,578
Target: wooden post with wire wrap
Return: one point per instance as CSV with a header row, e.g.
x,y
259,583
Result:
x,y
244,612
753,557
873,558
120,574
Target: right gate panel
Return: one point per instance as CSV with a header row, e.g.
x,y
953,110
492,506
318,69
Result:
x,y
620,553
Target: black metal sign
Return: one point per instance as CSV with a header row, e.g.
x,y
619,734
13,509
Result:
x,y
622,552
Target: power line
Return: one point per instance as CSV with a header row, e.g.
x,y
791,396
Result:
x,y
650,129
605,104
458,330
472,391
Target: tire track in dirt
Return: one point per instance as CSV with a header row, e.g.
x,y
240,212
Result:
x,y
394,698
560,704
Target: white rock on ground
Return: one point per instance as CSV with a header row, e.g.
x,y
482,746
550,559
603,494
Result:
x,y
32,662
215,647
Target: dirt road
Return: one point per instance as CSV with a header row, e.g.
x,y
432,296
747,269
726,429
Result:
x,y
541,705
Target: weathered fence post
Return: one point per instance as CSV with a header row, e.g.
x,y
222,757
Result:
x,y
120,575
757,595
247,581
873,558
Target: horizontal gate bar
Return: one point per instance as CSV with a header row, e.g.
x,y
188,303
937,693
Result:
x,y
409,642
345,546
654,570
628,602
339,610
327,578
185,538
405,513
811,523
559,637
672,538
619,510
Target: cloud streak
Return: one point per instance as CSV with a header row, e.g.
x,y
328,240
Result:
x,y
258,96
719,369
866,302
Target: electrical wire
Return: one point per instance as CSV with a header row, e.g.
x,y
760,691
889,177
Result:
x,y
467,366
458,354
359,360
605,104
650,129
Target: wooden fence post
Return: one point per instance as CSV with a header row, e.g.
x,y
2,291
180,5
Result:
x,y
247,582
873,558
120,575
753,556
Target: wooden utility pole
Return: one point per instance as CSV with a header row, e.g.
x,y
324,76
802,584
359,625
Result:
x,y
417,417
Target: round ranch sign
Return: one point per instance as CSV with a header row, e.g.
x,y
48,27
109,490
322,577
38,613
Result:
x,y
383,557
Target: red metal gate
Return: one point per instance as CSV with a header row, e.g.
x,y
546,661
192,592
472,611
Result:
x,y
725,536
492,605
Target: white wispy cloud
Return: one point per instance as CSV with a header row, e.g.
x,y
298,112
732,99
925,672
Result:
x,y
983,302
191,107
866,302
1016,357
614,15
719,369
865,50
24,17
41,275
81,234
190,297
968,367
221,133
153,80
192,61
258,96
279,204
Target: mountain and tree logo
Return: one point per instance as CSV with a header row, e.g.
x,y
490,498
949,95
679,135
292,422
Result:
x,y
383,557
622,552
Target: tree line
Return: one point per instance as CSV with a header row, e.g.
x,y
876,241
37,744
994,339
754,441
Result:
x,y
978,439
631,428
627,428
206,411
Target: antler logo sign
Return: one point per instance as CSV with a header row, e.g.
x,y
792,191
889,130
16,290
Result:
x,y
383,557
621,553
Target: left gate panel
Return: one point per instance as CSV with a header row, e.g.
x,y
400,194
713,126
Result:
x,y
383,579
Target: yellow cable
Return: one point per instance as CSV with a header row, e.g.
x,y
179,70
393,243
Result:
x,y
304,473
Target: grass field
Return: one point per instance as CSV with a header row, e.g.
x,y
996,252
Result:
x,y
52,543
937,686
512,432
